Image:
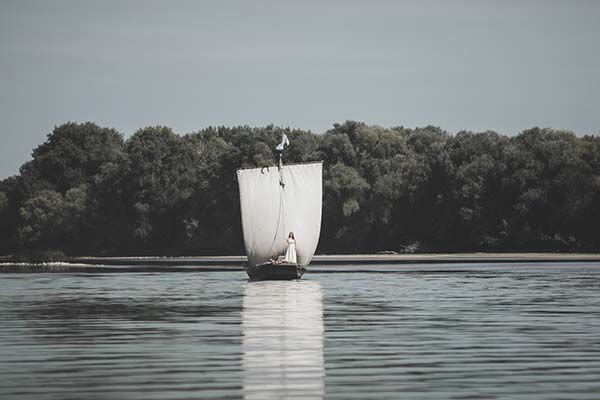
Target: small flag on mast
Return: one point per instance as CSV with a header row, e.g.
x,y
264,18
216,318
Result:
x,y
284,142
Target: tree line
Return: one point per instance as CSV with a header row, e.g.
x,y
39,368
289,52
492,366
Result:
x,y
87,190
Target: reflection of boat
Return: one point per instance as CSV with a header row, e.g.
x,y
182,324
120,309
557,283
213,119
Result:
x,y
282,326
275,201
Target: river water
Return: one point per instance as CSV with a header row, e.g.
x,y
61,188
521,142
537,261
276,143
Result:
x,y
510,331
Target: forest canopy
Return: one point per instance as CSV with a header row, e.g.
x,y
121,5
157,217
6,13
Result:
x,y
87,190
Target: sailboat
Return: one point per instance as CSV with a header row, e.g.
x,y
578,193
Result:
x,y
274,201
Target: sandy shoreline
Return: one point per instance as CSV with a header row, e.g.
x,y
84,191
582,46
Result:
x,y
357,258
235,263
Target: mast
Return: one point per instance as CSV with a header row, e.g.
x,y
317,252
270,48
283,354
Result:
x,y
274,202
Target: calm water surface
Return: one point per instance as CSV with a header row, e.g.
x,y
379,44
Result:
x,y
433,332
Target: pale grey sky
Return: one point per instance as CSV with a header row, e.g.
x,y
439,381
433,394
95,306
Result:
x,y
476,65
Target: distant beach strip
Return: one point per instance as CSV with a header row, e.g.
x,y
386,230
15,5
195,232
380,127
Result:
x,y
320,263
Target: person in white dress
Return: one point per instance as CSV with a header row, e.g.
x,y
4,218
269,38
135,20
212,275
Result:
x,y
290,253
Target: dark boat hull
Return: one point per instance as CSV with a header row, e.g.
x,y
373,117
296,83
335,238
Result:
x,y
271,271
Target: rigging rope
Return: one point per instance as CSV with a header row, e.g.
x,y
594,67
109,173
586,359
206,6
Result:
x,y
281,206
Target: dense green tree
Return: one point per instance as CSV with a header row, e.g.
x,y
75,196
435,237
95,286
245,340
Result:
x,y
87,191
343,193
76,161
3,203
42,220
552,185
9,214
158,180
476,197
73,154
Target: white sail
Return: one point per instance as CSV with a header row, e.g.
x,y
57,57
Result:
x,y
277,201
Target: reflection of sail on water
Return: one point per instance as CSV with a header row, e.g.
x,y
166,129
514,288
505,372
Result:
x,y
275,201
282,324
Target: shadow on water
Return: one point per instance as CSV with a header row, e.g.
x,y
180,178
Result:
x,y
77,308
282,344
74,319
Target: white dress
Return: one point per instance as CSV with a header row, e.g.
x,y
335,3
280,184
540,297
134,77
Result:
x,y
290,253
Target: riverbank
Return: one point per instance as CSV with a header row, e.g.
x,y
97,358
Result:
x,y
235,263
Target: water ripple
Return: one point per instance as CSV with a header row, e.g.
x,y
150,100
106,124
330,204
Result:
x,y
417,332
